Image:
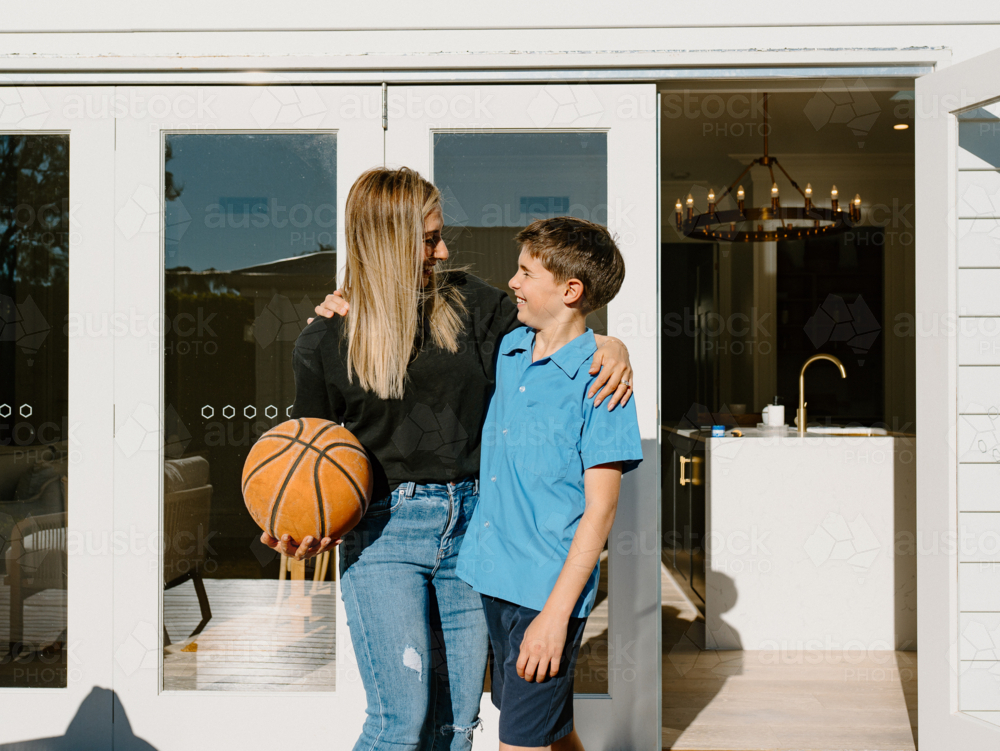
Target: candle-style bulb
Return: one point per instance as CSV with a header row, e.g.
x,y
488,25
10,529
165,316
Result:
x,y
809,190
690,200
711,195
857,199
774,190
678,207
740,194
833,193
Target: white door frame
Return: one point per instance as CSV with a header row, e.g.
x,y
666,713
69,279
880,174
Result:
x,y
244,719
629,715
35,713
938,97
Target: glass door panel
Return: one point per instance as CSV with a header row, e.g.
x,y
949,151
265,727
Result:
x,y
250,249
34,397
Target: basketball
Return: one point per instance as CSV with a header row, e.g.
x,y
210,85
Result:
x,y
307,477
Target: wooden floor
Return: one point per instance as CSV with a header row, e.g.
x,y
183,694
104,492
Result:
x,y
806,701
41,661
264,635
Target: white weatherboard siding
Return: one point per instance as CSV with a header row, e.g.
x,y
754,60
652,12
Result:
x,y
978,194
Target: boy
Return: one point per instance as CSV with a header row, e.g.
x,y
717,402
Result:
x,y
550,472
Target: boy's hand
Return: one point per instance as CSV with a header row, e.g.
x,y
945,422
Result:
x,y
307,549
542,647
612,363
332,304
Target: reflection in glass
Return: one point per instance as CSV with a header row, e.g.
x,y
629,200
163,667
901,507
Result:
x,y
34,302
492,186
495,184
979,138
249,250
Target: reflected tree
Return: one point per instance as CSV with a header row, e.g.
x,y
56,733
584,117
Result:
x,y
34,257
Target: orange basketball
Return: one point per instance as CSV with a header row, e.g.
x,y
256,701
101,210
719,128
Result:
x,y
307,477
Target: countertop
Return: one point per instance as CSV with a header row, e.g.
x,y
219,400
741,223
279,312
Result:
x,y
789,432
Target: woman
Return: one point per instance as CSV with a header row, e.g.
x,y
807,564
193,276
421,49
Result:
x,y
410,372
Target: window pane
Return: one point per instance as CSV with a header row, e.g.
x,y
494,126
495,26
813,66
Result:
x,y
34,302
493,185
251,226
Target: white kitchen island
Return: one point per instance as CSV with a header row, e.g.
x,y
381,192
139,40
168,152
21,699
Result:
x,y
810,542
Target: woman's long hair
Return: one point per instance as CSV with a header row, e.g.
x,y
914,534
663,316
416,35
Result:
x,y
384,231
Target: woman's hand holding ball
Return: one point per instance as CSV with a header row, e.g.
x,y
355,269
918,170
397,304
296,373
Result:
x,y
308,548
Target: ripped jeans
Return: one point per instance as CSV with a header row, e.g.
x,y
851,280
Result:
x,y
419,632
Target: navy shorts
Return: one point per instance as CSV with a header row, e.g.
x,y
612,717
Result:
x,y
531,714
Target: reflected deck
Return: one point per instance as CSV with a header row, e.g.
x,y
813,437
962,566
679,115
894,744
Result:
x,y
265,635
270,635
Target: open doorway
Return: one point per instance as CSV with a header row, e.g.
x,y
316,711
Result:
x,y
789,574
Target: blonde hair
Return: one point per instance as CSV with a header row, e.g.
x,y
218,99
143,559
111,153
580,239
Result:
x,y
384,230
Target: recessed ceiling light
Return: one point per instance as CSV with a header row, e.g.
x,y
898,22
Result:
x,y
900,126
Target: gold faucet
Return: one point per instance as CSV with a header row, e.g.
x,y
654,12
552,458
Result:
x,y
800,415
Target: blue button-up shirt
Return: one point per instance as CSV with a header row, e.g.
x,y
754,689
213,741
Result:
x,y
541,433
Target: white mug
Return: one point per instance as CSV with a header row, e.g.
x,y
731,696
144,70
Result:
x,y
774,414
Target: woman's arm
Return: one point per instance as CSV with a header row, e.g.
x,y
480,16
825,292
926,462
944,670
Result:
x,y
611,361
615,379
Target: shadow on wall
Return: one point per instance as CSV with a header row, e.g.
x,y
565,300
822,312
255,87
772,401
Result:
x,y
90,729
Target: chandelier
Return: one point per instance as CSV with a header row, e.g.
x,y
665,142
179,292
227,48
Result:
x,y
809,220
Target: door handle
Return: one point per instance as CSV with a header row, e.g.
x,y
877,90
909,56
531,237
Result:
x,y
695,478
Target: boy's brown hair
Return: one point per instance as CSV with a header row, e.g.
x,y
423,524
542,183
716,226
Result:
x,y
571,248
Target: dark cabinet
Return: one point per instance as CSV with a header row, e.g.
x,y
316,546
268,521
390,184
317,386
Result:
x,y
683,511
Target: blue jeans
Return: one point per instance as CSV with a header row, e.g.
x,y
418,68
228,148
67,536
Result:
x,y
419,632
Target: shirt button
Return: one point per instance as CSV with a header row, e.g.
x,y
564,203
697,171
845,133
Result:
x,y
486,524
505,431
522,388
494,478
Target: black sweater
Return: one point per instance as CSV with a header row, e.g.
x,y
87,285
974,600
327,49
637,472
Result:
x,y
432,434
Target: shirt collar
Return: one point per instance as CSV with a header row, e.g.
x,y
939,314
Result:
x,y
568,357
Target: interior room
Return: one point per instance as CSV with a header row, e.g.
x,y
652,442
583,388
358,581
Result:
x,y
789,614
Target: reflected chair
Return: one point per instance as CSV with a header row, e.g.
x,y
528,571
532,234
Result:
x,y
187,503
36,560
